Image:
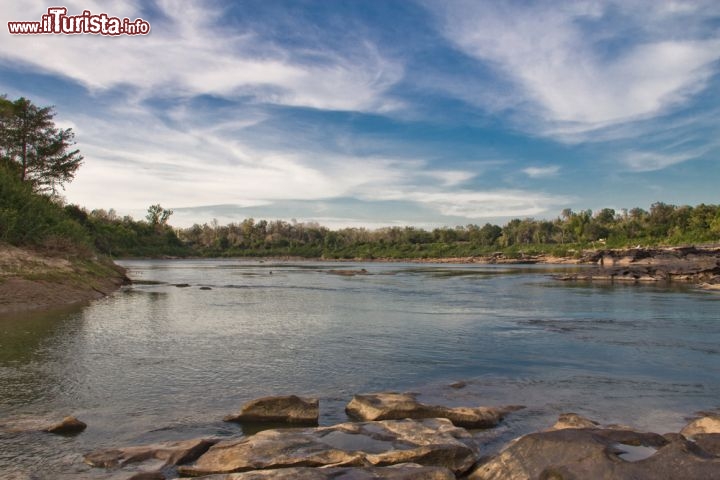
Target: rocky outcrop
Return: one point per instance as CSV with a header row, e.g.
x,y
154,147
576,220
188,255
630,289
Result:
x,y
393,406
431,442
704,424
405,471
573,453
151,458
281,409
688,264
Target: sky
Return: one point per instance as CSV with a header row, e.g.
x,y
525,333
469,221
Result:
x,y
372,113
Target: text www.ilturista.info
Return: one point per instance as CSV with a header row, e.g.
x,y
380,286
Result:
x,y
57,21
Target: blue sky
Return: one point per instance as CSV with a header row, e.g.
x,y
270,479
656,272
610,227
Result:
x,y
379,112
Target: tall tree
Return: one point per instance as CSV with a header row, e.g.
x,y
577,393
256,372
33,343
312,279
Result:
x,y
41,152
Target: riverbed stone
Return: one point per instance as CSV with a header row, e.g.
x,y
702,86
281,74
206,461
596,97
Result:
x,y
429,442
710,442
279,409
156,456
404,471
67,426
570,454
573,420
704,424
393,406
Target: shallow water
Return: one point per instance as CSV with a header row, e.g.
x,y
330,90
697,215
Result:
x,y
156,361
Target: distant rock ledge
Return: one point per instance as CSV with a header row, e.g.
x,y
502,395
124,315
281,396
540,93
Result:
x,y
649,265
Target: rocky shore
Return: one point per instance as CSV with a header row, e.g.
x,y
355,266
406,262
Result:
x,y
31,281
394,436
669,265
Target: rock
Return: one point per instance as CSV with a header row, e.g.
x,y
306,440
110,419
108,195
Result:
x,y
182,285
286,409
68,426
710,442
571,454
348,273
705,424
573,420
404,471
458,385
393,406
430,442
146,476
159,455
205,288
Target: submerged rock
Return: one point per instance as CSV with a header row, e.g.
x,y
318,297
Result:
x,y
393,406
430,442
404,471
348,273
282,409
155,457
600,454
68,425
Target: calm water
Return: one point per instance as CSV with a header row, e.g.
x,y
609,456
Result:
x,y
157,361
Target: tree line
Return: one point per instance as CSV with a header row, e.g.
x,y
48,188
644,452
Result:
x,y
571,231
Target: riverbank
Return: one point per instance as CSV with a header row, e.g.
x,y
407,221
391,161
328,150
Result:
x,y
698,266
30,280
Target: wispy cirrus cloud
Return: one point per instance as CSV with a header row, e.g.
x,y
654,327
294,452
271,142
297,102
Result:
x,y
190,52
589,64
540,172
644,161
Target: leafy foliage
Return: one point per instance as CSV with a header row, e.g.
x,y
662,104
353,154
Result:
x,y
43,153
662,224
30,219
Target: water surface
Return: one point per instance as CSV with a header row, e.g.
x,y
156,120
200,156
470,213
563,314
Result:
x,y
157,361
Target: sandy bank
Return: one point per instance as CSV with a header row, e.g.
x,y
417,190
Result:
x,y
31,281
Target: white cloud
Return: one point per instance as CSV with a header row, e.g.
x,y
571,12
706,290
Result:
x,y
491,204
136,160
561,58
188,53
539,172
650,161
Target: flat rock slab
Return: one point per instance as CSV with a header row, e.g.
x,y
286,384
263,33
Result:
x,y
394,406
705,424
156,456
405,471
282,409
570,454
67,426
429,442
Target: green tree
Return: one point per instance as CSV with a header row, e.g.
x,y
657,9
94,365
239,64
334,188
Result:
x,y
157,216
42,153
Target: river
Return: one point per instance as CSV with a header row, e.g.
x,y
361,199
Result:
x,y
158,361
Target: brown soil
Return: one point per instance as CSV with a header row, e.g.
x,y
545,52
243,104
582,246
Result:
x,y
31,280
